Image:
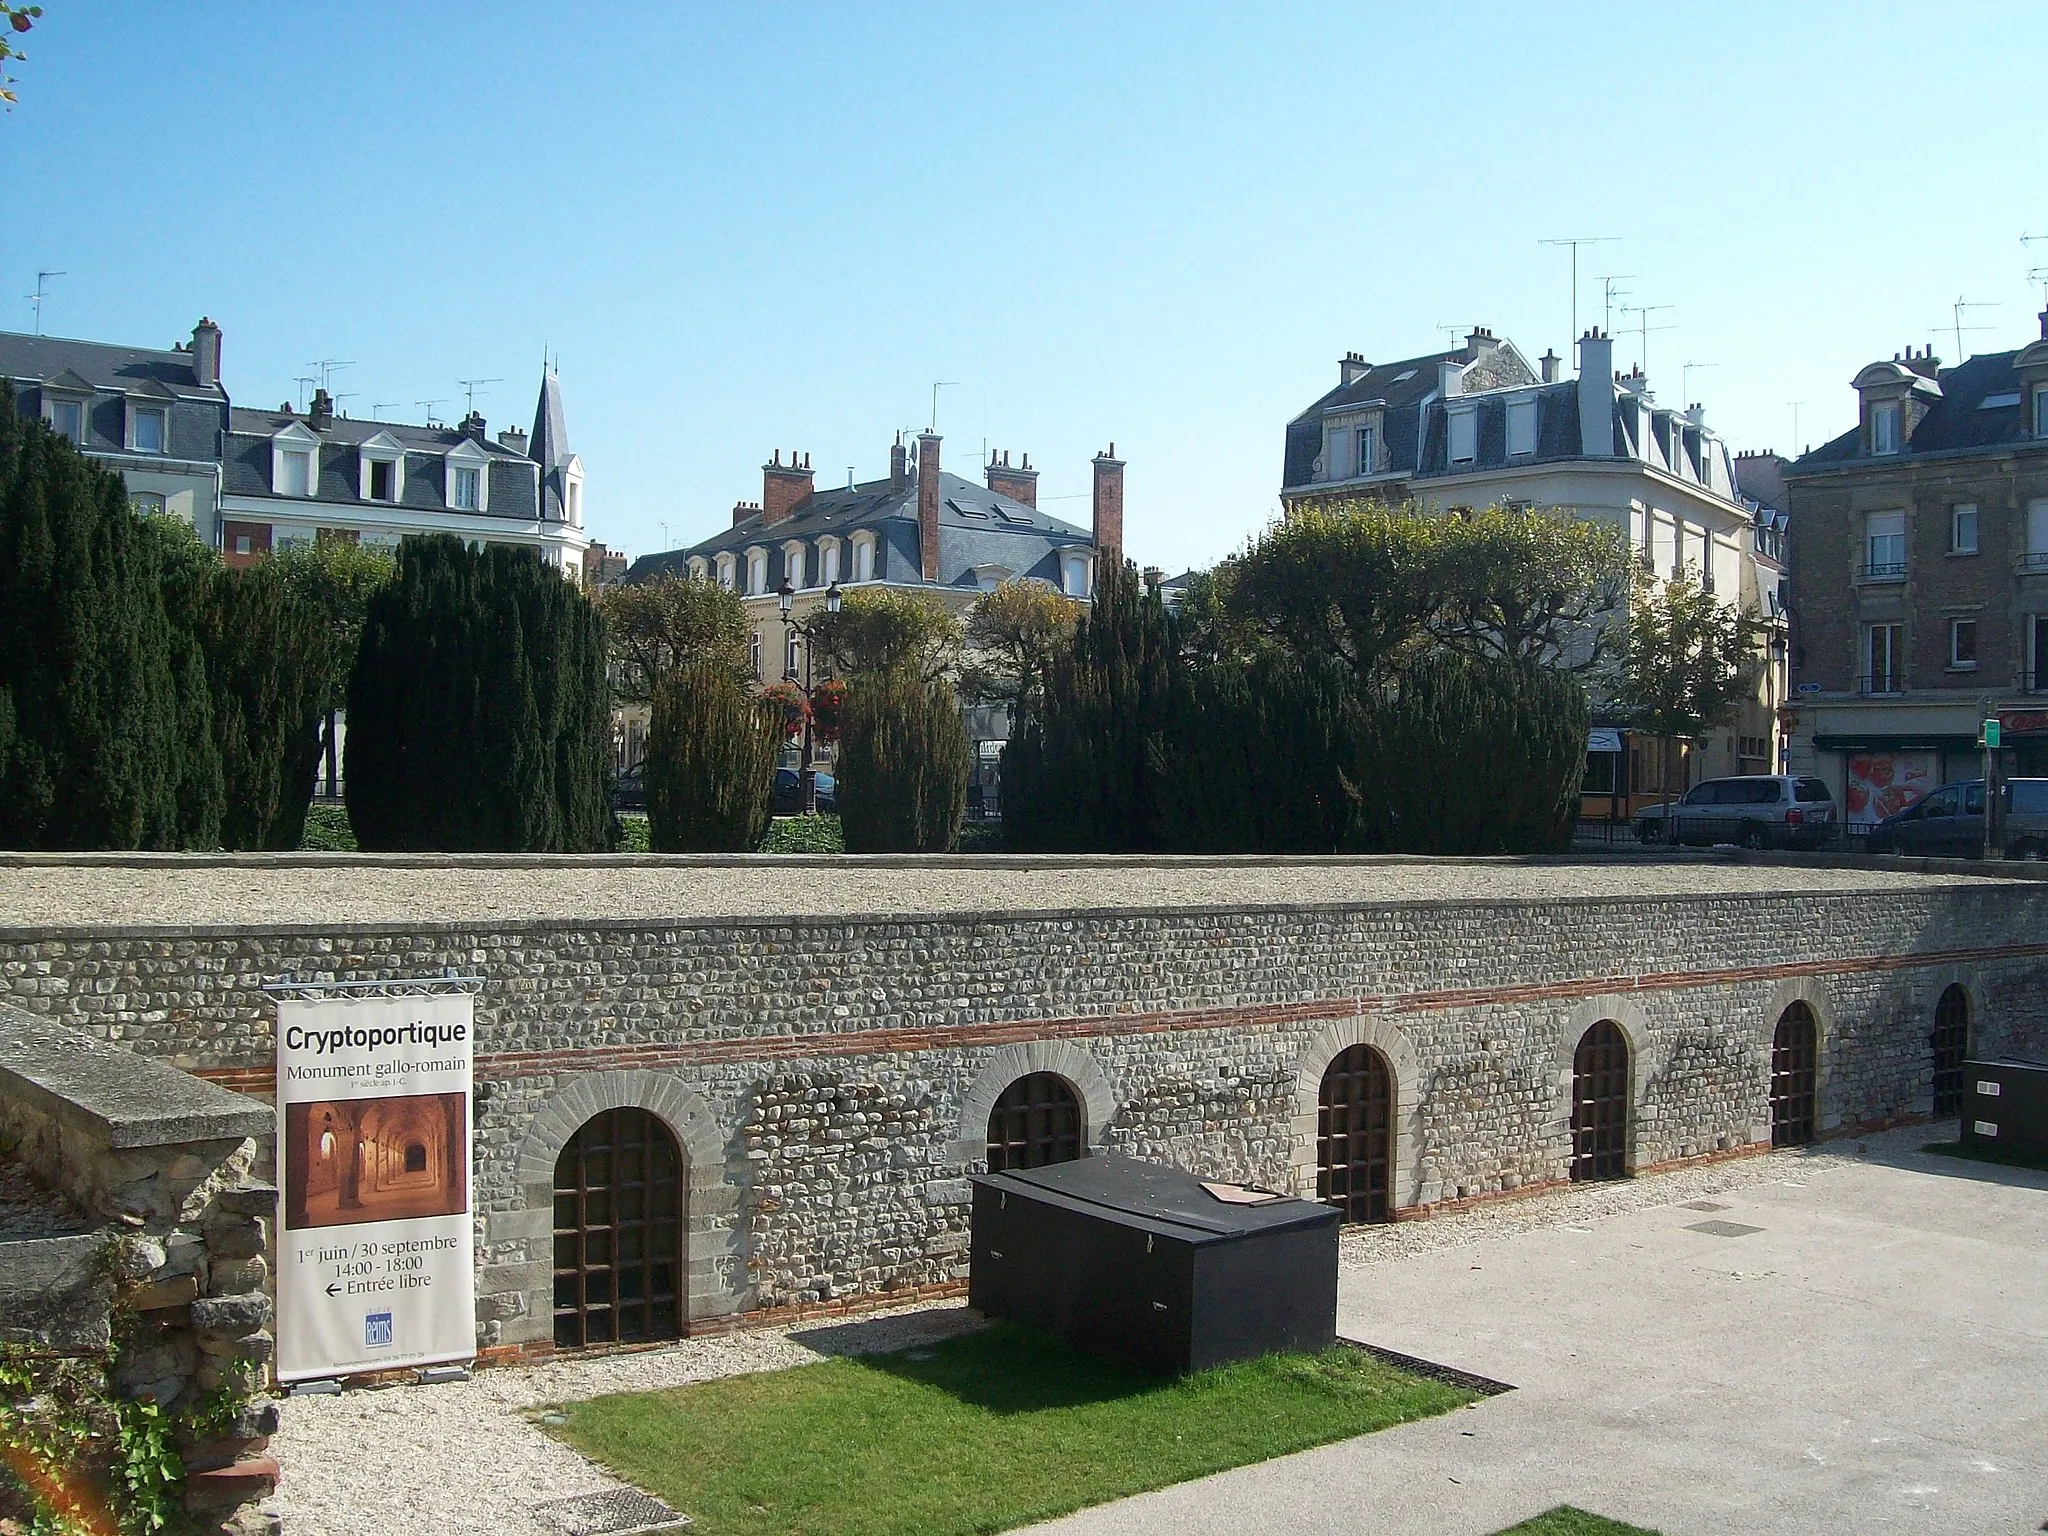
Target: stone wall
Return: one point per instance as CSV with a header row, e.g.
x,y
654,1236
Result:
x,y
161,1166
829,1080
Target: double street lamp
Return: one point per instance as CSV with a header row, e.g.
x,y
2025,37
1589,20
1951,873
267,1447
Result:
x,y
793,627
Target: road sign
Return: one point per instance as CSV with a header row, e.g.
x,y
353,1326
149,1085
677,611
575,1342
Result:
x,y
1990,735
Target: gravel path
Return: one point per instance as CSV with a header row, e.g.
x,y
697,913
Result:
x,y
467,1458
37,895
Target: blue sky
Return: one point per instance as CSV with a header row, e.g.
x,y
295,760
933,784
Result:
x,y
745,228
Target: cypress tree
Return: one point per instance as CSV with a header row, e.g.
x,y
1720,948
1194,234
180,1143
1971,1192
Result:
x,y
710,764
1472,757
103,693
902,765
1088,774
479,712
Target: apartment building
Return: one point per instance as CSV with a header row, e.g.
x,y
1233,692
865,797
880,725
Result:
x,y
1920,578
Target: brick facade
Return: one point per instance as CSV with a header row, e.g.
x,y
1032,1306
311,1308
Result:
x,y
829,1080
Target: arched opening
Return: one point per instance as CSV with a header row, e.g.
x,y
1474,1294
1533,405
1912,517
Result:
x,y
619,1198
1355,1135
1951,1045
415,1157
1036,1121
1795,1072
1600,1094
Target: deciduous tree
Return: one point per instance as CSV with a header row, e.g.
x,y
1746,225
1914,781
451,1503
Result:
x,y
1012,635
668,622
879,630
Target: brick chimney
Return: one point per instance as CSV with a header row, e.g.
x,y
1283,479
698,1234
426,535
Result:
x,y
899,464
928,503
742,510
320,414
473,427
206,354
1109,507
784,487
1017,484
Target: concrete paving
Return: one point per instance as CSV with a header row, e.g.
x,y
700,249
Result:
x,y
1872,1357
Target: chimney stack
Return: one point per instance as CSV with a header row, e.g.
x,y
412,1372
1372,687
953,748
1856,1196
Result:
x,y
1548,362
1017,484
2044,325
515,439
1596,395
784,487
928,504
473,426
899,464
1109,507
206,354
1478,343
1351,367
320,414
1450,379
742,510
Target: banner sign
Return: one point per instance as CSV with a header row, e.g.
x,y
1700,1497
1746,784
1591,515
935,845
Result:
x,y
375,1253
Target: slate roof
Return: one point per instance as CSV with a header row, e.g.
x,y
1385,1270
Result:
x,y
1956,422
1402,385
549,446
103,365
977,526
245,462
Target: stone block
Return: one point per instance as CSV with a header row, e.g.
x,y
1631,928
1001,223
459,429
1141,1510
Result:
x,y
231,1315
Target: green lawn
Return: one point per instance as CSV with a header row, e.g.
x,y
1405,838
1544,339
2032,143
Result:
x,y
979,1433
1566,1521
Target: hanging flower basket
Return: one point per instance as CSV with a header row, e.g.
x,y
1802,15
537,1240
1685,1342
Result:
x,y
827,700
789,699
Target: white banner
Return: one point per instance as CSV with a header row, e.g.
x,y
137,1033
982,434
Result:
x,y
375,1255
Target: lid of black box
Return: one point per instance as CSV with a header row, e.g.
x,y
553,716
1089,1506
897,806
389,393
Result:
x,y
1152,1193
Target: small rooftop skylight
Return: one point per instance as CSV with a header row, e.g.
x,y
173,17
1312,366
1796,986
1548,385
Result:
x,y
1404,376
1997,402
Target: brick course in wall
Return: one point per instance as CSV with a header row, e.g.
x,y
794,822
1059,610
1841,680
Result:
x,y
829,1080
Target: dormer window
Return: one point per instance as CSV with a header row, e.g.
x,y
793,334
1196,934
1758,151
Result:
x,y
699,571
828,562
1884,428
863,557
757,572
726,571
469,479
1521,427
381,469
2041,412
147,428
67,419
793,562
294,465
1464,437
1368,450
1074,573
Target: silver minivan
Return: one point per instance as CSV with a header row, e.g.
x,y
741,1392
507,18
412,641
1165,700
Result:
x,y
1756,810
1948,823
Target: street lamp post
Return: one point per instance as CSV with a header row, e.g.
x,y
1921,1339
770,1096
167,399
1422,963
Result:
x,y
807,774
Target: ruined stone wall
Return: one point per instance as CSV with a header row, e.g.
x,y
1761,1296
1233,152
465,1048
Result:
x,y
829,1080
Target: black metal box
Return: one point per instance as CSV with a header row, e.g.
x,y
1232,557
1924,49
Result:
x,y
1146,1265
2005,1108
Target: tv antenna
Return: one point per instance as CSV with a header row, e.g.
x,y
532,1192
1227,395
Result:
x,y
328,367
1643,329
1795,404
1608,294
305,381
1685,378
1575,241
378,409
937,385
42,292
428,407
347,395
1960,305
471,386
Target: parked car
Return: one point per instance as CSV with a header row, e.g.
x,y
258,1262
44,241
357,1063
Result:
x,y
789,793
631,791
1758,810
1948,823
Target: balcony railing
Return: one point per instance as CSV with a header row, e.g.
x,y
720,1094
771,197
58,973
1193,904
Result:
x,y
1889,570
1880,685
